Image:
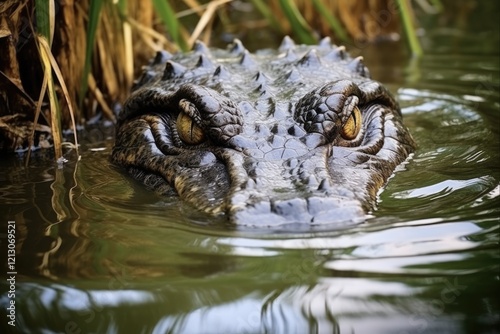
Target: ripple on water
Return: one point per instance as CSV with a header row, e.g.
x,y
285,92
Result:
x,y
127,260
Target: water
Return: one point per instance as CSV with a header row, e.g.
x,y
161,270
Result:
x,y
97,253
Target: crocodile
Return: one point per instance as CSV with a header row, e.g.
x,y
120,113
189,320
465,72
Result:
x,y
300,134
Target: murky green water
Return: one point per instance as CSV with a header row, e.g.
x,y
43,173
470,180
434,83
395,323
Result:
x,y
97,253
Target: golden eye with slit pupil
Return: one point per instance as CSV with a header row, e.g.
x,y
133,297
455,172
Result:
x,y
189,132
352,126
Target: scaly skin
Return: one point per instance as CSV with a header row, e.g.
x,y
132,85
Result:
x,y
273,140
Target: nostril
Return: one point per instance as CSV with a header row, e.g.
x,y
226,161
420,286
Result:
x,y
312,181
324,185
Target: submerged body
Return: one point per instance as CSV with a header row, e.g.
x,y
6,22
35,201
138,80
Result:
x,y
295,135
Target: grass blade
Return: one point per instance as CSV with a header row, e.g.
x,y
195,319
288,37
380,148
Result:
x,y
205,19
94,15
45,15
55,117
409,27
100,98
50,64
169,18
332,21
297,22
38,111
268,14
128,62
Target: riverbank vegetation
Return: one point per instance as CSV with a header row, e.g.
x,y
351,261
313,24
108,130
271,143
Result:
x,y
64,64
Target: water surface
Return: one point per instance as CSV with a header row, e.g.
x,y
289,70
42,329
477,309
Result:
x,y
97,253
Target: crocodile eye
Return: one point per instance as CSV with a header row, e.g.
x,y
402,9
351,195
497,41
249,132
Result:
x,y
352,126
189,132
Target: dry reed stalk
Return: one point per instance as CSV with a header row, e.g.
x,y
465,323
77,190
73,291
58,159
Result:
x,y
108,58
50,64
13,97
144,17
69,55
108,113
126,37
195,6
205,19
55,119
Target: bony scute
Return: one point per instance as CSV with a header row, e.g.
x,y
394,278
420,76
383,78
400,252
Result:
x,y
337,119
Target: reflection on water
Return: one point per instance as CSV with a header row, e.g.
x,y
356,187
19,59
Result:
x,y
332,305
97,253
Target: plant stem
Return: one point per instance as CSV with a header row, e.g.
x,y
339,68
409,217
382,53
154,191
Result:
x,y
409,28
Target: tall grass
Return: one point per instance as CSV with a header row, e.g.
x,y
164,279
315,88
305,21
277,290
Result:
x,y
122,34
169,18
409,26
93,20
45,15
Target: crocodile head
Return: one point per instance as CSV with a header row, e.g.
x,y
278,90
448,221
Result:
x,y
295,135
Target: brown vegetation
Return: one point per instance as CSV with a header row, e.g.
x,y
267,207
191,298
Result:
x,y
50,79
